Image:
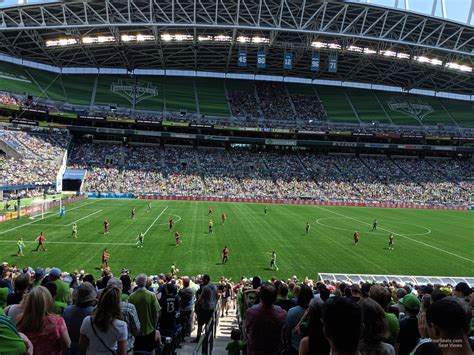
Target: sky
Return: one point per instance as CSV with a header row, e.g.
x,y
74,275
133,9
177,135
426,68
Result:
x,y
457,10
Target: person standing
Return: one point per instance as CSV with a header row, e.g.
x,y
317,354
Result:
x,y
20,244
106,226
308,227
356,237
46,331
74,231
223,217
85,298
374,225
41,239
206,303
148,308
391,244
265,324
62,288
225,255
140,239
105,332
273,264
105,259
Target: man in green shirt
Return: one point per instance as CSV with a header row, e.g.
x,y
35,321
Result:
x,y
63,292
148,309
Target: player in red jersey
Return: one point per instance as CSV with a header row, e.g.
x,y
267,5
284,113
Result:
x,y
223,217
134,211
170,224
225,255
356,237
105,259
176,237
41,239
106,226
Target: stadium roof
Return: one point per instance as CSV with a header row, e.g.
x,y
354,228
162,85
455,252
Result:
x,y
375,44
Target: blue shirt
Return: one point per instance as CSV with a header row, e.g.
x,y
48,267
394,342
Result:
x,y
293,318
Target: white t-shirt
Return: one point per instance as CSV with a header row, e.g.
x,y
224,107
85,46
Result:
x,y
117,332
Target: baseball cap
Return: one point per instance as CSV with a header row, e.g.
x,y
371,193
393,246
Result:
x,y
411,302
39,273
55,272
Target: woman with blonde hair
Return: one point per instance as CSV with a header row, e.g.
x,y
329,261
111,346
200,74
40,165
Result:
x,y
105,332
46,331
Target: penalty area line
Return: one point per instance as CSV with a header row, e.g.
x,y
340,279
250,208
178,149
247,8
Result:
x,y
153,223
399,234
42,219
80,219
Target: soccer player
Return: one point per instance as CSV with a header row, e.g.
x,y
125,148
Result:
x,y
265,210
390,242
74,231
210,211
307,227
273,264
20,245
140,239
170,224
374,225
356,237
133,212
62,212
106,226
174,270
210,226
41,239
176,237
223,217
149,206
225,255
105,259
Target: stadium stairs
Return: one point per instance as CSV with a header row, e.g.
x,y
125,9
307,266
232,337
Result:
x,y
222,337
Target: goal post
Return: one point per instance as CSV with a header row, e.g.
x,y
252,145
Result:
x,y
40,207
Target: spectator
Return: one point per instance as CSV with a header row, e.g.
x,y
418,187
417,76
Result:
x,y
265,323
283,301
375,329
169,303
206,303
38,277
314,343
46,331
85,297
105,331
447,323
294,316
63,292
409,335
342,322
237,344
463,291
186,295
356,294
130,316
382,296
58,307
11,341
399,294
148,308
21,284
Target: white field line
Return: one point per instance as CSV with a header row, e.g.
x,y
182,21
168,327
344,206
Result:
x,y
80,219
42,219
401,235
71,242
151,225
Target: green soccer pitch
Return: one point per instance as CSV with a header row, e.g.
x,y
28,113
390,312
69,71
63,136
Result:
x,y
427,242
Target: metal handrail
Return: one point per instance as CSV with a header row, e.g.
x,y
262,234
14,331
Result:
x,y
206,342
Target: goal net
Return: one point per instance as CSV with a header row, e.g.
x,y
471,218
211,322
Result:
x,y
40,208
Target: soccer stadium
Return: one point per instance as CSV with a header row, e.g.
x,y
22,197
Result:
x,y
237,177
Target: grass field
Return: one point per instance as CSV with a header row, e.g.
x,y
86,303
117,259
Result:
x,y
427,242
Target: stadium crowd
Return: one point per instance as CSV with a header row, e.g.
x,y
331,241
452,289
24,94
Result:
x,y
241,173
275,101
38,157
46,311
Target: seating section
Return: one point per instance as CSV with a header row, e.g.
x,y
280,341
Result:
x,y
241,173
367,106
238,98
336,104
